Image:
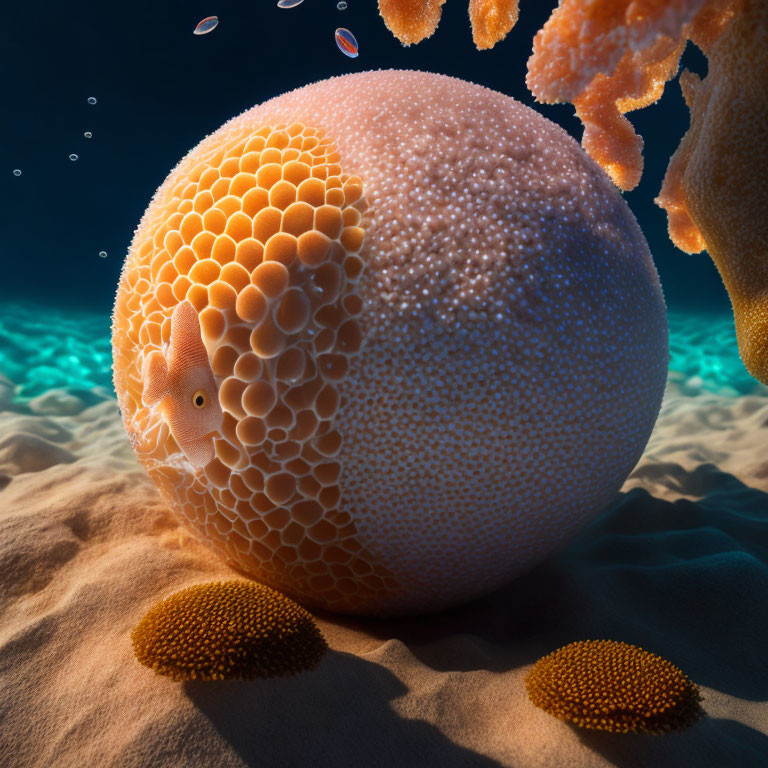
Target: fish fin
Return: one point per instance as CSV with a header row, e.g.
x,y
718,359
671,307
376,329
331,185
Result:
x,y
154,374
187,349
199,451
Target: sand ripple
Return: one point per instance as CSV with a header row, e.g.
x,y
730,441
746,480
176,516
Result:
x,y
679,565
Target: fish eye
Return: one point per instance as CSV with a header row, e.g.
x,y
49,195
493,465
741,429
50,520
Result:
x,y
199,399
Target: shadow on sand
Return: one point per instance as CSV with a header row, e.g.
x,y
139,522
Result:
x,y
685,579
335,715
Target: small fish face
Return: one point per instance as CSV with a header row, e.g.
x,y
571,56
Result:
x,y
181,382
194,416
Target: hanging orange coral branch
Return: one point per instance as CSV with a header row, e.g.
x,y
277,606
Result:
x,y
609,57
412,21
491,21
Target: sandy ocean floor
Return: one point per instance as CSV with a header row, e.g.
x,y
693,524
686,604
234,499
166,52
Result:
x,y
679,566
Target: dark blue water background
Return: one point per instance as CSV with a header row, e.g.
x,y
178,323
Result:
x,y
160,89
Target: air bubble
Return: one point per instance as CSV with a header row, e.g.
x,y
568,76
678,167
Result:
x,y
341,6
91,99
88,135
17,172
73,157
102,254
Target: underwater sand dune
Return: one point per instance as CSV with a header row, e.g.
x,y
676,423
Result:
x,y
679,566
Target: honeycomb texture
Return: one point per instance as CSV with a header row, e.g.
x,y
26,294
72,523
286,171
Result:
x,y
606,685
438,338
231,630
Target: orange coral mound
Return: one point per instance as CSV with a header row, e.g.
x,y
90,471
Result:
x,y
606,685
412,21
228,630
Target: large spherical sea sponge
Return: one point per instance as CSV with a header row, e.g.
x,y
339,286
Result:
x,y
606,685
231,630
384,342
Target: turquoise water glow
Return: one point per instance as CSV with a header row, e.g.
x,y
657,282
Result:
x,y
43,349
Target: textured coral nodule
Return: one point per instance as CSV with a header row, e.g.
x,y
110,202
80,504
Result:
x,y
229,630
607,685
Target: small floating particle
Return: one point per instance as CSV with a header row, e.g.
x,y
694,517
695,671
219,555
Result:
x,y
346,42
91,99
102,254
208,24
288,3
73,157
17,172
88,135
341,6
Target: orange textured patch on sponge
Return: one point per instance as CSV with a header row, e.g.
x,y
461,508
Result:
x,y
259,239
606,685
231,630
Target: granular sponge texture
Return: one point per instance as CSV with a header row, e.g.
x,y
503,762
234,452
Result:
x,y
232,630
